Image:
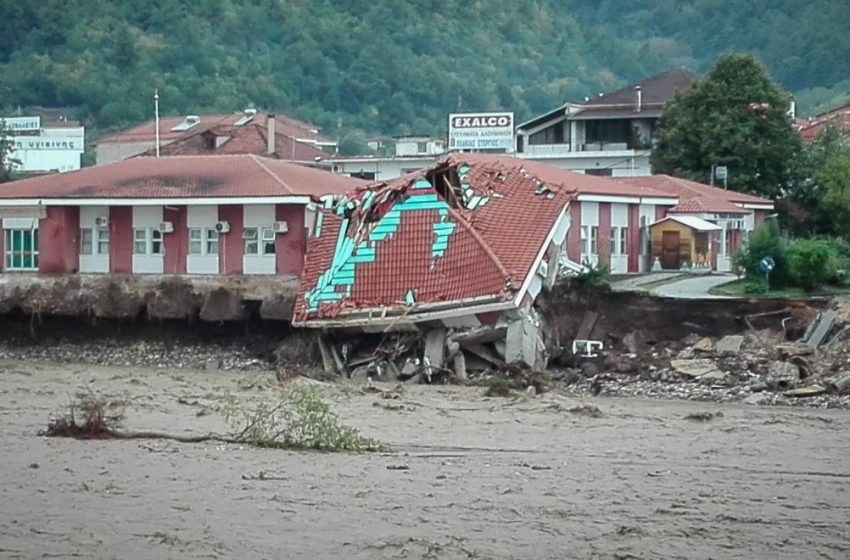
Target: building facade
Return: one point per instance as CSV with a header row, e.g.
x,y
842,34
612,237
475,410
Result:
x,y
610,134
178,215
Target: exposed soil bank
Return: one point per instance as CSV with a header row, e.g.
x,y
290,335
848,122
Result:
x,y
472,478
114,296
665,319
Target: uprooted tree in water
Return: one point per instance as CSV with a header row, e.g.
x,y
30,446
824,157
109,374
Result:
x,y
300,419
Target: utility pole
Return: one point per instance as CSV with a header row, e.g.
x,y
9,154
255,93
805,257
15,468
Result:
x,y
156,117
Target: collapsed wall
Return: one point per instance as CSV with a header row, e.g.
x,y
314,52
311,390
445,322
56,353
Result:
x,y
210,299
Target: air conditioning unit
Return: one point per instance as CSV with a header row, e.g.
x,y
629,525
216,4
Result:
x,y
222,227
101,221
281,227
166,227
268,235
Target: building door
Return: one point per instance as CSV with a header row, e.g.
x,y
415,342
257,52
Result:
x,y
670,250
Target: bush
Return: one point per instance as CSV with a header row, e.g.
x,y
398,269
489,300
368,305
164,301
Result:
x,y
811,262
595,277
765,241
301,419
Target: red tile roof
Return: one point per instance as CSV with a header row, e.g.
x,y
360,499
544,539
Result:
x,y
184,177
251,138
499,229
655,90
146,132
839,116
696,197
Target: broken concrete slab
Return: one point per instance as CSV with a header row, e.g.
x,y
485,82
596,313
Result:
x,y
820,328
704,344
757,398
524,345
481,335
696,367
729,345
435,347
460,366
794,349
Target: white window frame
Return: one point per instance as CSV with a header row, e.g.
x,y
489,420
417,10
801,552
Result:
x,y
9,253
211,242
83,241
261,238
152,239
618,240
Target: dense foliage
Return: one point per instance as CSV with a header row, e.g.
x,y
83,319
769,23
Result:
x,y
809,263
393,67
735,116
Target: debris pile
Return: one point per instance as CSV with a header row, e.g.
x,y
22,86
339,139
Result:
x,y
440,355
757,367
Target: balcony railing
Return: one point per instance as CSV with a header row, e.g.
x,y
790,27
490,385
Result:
x,y
547,149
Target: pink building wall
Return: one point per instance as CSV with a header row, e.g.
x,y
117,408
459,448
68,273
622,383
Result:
x,y
120,239
59,240
230,245
603,244
175,244
291,246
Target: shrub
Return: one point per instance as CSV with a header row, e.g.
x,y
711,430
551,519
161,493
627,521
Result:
x,y
596,276
765,241
810,262
301,419
498,387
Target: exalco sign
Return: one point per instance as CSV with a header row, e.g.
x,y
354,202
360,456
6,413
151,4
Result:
x,y
482,121
493,132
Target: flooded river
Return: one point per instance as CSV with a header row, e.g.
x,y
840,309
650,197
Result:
x,y
469,477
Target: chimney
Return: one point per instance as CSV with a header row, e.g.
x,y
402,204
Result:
x,y
639,100
270,133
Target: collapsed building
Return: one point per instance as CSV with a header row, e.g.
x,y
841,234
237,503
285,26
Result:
x,y
466,245
462,249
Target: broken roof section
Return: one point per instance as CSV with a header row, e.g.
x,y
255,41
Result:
x,y
462,237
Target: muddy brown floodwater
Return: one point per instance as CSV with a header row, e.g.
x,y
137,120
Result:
x,y
471,477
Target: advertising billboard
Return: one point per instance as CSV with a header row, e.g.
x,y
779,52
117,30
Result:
x,y
490,132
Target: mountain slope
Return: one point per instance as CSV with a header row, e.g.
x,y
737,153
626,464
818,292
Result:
x,y
396,67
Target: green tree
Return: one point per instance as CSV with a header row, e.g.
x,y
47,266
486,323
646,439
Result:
x,y
734,116
765,241
7,162
833,181
802,210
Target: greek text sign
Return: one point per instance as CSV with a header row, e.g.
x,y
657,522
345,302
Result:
x,y
48,143
19,124
481,131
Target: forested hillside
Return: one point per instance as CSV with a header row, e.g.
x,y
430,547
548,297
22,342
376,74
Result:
x,y
393,66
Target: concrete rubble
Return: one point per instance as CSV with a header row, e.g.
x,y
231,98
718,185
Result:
x,y
758,366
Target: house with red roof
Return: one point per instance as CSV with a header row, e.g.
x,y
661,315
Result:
x,y
838,117
195,215
705,227
246,132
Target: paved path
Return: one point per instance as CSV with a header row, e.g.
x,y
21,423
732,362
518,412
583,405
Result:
x,y
633,283
693,287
